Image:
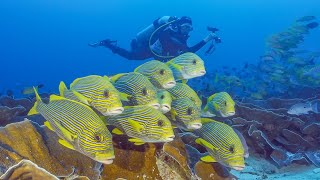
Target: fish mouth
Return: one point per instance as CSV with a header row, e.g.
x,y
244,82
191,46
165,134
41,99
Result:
x,y
231,113
202,72
238,168
171,138
195,126
169,85
114,111
155,105
107,161
165,108
186,75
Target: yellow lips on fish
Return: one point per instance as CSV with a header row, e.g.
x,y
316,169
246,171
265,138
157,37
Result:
x,y
185,114
136,89
222,143
182,90
95,91
219,104
165,99
142,124
187,66
78,127
159,74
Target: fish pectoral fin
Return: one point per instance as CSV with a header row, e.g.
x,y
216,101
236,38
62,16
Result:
x,y
135,125
68,135
206,120
81,97
48,125
206,108
205,143
65,144
184,81
116,77
216,106
173,114
208,158
136,141
117,131
177,67
124,96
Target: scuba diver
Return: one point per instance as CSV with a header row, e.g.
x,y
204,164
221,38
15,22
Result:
x,y
163,40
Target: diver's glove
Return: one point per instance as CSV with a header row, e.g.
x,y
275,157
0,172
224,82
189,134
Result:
x,y
105,43
212,36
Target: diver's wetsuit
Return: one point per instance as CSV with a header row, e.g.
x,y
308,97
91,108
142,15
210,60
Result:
x,y
173,44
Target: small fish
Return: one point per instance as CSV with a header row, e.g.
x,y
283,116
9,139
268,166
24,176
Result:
x,y
29,90
304,108
314,72
136,89
142,124
222,143
165,100
306,18
78,127
219,104
159,74
187,66
184,114
182,90
95,91
267,58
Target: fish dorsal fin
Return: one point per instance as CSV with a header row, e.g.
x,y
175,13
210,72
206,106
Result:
x,y
207,120
54,97
117,76
62,88
117,131
135,125
33,110
106,78
65,144
211,97
75,82
136,141
205,143
82,98
48,125
208,159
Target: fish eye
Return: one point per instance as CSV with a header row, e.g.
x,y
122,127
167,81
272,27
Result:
x,y
160,123
162,72
189,111
144,91
231,149
98,137
106,93
194,62
225,103
162,97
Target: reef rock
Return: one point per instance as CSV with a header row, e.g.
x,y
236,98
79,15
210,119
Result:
x,y
7,114
27,140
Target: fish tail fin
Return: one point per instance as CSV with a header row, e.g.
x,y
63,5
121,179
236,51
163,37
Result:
x,y
62,88
33,110
315,106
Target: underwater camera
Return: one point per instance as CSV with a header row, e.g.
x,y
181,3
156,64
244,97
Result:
x,y
213,30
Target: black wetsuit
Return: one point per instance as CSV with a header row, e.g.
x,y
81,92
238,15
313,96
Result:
x,y
173,44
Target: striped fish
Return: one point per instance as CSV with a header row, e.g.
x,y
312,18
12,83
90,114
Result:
x,y
185,114
136,89
222,143
142,124
78,126
182,90
159,74
219,104
165,100
187,66
95,91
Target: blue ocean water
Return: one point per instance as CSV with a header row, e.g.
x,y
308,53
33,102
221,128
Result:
x,y
46,41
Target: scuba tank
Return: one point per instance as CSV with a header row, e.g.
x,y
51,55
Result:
x,y
143,37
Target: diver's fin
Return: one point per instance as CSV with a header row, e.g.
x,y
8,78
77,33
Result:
x,y
65,144
48,125
62,88
117,131
208,158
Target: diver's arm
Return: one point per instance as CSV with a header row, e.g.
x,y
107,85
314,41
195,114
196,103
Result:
x,y
203,42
